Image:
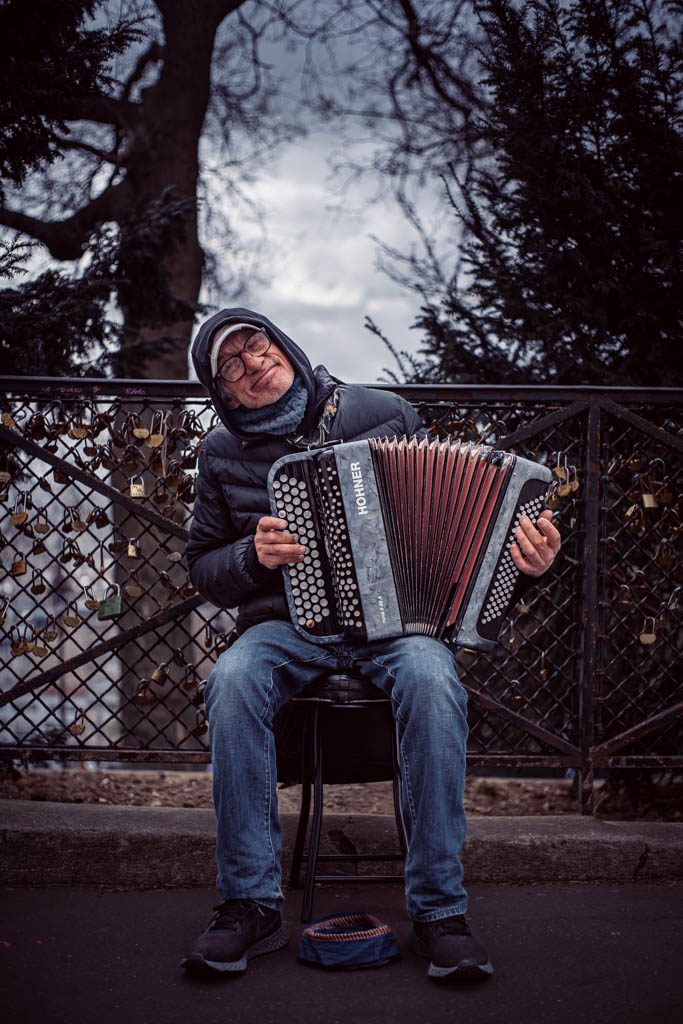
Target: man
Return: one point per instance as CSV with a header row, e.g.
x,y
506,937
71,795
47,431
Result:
x,y
271,403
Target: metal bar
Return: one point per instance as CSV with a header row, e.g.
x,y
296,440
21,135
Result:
x,y
588,673
17,440
138,754
98,387
52,674
646,761
532,429
86,753
491,704
635,732
644,425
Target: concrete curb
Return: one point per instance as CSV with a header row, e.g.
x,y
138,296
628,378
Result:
x,y
47,843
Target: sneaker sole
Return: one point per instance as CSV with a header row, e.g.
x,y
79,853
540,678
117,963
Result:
x,y
465,971
198,964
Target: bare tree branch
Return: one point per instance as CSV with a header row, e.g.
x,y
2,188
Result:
x,y
65,239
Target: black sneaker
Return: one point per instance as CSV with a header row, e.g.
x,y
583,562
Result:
x,y
455,956
238,930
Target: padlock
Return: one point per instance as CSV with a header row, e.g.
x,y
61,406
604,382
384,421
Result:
x,y
4,604
139,429
560,470
39,648
190,681
132,586
133,548
137,490
155,438
78,725
189,591
160,675
647,492
71,617
41,524
37,583
50,632
553,499
202,725
648,634
143,696
19,516
91,602
543,671
19,566
221,644
111,606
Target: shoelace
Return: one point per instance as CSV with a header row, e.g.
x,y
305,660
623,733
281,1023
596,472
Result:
x,y
231,913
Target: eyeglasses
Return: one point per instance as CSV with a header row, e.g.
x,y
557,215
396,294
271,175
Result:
x,y
257,344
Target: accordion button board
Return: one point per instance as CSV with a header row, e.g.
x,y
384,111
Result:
x,y
404,537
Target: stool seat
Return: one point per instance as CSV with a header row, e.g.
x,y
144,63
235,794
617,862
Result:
x,y
348,691
341,689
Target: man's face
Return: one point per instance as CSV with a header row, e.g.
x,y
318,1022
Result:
x,y
266,378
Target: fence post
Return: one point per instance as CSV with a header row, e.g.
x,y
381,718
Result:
x,y
589,609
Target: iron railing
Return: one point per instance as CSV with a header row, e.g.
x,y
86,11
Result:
x,y
96,492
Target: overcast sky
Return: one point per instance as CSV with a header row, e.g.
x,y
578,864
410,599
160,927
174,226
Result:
x,y
319,269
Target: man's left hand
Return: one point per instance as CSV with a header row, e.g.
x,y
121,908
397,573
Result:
x,y
537,545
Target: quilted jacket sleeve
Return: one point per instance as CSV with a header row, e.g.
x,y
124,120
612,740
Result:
x,y
223,565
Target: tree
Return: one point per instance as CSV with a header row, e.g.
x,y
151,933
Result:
x,y
570,272
121,150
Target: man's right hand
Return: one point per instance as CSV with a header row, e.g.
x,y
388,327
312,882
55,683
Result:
x,y
274,546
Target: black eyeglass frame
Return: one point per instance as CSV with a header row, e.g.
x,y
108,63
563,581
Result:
x,y
238,355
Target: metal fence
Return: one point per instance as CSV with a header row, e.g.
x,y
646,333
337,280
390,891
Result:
x,y
104,642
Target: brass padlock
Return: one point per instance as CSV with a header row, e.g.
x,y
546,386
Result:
x,y
190,681
78,725
91,602
647,492
155,438
39,648
111,606
17,646
553,499
19,567
160,675
132,586
133,548
143,696
71,617
202,725
137,490
221,644
50,632
140,431
41,524
543,671
19,514
648,634
37,583
560,470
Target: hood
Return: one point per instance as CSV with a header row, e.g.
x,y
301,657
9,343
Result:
x,y
201,348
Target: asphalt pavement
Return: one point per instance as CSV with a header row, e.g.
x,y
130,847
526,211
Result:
x,y
563,953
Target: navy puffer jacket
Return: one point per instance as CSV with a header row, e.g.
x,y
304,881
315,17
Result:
x,y
234,466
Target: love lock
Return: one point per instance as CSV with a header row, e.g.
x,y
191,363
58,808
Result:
x,y
111,606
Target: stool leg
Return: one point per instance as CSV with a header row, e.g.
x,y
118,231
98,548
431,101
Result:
x,y
314,841
306,773
398,793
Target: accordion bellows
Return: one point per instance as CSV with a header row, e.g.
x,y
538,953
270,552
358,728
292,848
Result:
x,y
404,537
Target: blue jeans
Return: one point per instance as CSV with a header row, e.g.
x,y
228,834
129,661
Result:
x,y
269,664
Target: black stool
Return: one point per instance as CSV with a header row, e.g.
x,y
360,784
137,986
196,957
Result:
x,y
336,690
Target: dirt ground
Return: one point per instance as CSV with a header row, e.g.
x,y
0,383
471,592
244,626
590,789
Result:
x,y
490,796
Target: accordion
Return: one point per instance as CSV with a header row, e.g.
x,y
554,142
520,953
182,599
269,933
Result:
x,y
404,537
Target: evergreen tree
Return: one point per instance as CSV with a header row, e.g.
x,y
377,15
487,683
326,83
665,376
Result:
x,y
571,268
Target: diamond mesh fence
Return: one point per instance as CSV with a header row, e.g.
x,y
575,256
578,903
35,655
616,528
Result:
x,y
104,643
